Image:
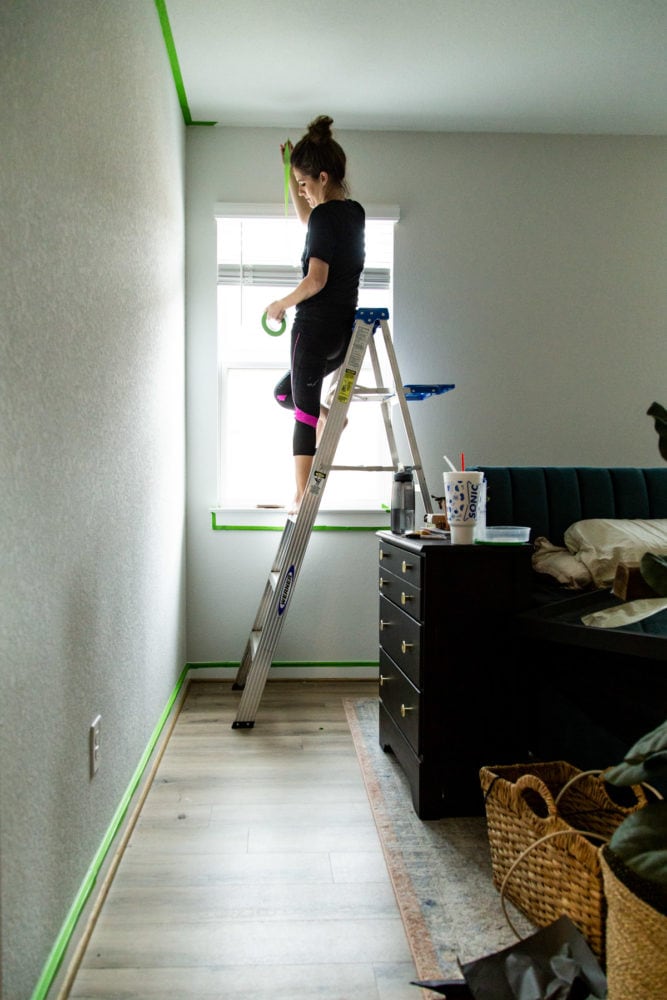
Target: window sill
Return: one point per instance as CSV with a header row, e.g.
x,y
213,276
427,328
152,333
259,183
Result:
x,y
274,519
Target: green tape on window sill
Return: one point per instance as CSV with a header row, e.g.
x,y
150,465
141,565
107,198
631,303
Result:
x,y
281,527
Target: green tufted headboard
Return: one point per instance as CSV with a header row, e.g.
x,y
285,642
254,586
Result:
x,y
550,498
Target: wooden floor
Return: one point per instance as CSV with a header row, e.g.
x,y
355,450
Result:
x,y
255,869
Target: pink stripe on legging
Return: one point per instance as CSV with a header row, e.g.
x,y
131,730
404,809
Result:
x,y
305,418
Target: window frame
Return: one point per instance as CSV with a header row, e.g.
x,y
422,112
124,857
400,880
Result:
x,y
287,276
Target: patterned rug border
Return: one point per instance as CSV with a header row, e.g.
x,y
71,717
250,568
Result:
x,y
440,870
417,930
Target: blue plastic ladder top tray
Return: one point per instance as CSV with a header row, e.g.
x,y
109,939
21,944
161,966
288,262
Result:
x,y
419,391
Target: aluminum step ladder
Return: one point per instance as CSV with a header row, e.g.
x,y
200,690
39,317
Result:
x,y
260,648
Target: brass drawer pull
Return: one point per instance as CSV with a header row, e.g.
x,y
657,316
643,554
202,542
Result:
x,y
405,709
406,567
384,583
384,555
383,679
406,597
384,625
406,647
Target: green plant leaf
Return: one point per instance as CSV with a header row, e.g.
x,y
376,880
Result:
x,y
645,761
659,415
653,569
641,842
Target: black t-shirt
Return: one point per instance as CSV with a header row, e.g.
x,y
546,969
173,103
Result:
x,y
335,235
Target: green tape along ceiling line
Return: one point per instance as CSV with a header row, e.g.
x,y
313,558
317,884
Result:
x,y
173,62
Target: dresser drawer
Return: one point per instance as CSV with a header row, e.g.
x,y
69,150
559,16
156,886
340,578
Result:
x,y
406,565
401,699
400,592
438,716
401,637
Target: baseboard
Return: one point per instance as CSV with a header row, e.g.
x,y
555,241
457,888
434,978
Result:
x,y
292,670
63,962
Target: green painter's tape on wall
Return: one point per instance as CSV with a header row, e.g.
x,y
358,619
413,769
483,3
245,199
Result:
x,y
280,527
287,165
62,941
173,62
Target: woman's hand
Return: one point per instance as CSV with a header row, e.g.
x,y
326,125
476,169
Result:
x,y
283,146
276,311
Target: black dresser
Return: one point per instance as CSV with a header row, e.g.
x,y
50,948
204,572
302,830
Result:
x,y
448,699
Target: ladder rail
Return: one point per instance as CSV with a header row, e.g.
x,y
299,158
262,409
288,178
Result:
x,y
254,641
285,568
255,665
407,421
385,405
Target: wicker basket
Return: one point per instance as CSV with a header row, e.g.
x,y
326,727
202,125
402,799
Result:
x,y
636,939
545,838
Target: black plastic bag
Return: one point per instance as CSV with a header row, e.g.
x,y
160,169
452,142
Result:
x,y
555,963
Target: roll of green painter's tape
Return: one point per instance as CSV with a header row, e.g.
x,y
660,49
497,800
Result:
x,y
274,333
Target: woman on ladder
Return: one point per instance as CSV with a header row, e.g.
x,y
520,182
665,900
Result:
x,y
326,297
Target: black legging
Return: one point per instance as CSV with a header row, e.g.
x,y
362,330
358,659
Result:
x,y
318,347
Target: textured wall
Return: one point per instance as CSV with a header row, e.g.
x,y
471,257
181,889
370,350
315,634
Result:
x,y
530,271
91,438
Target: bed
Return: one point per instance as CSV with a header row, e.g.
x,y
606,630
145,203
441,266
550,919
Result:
x,y
585,689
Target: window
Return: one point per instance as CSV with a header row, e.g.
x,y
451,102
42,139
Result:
x,y
258,255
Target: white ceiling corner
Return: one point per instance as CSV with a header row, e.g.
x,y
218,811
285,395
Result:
x,y
551,66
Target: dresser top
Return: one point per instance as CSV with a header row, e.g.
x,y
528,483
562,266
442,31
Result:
x,y
414,544
423,546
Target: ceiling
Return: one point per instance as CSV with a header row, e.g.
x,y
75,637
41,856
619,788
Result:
x,y
554,66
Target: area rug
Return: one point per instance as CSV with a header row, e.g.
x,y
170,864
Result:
x,y
440,869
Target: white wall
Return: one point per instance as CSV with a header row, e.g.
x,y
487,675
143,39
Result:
x,y
530,271
91,439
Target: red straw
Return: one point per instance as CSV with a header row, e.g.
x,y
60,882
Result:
x,y
463,464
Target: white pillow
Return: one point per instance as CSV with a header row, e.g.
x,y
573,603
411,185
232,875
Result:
x,y
559,563
600,544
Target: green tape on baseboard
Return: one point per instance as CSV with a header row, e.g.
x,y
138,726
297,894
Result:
x,y
62,941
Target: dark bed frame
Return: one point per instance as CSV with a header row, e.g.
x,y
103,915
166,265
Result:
x,y
550,498
583,694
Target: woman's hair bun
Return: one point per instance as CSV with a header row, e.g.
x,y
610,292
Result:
x,y
319,129
317,152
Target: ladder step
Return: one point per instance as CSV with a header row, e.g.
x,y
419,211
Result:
x,y
364,468
424,391
364,392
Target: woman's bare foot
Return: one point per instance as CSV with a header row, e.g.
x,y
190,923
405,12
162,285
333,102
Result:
x,y
293,507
